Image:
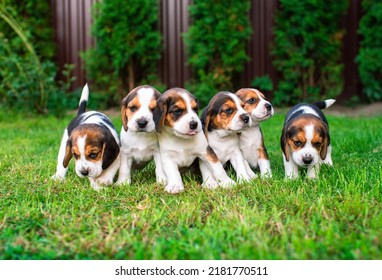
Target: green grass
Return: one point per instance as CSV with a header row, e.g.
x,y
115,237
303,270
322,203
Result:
x,y
338,216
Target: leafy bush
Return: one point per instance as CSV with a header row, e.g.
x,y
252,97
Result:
x,y
128,44
26,81
216,43
263,83
35,19
370,53
307,50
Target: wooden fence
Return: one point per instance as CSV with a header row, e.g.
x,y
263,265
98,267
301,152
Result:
x,y
72,21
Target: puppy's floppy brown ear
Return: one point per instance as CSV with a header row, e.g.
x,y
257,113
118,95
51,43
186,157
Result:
x,y
110,149
123,113
324,148
205,119
284,143
159,113
68,153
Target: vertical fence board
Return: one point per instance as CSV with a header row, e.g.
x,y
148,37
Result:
x,y
174,21
352,84
261,16
71,22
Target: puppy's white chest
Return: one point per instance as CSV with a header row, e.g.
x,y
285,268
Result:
x,y
183,158
250,141
140,146
182,151
224,147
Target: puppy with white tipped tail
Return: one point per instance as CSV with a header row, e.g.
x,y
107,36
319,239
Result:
x,y
305,139
94,143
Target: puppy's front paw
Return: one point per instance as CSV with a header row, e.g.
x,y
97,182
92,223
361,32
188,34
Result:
x,y
291,176
101,182
161,180
174,189
227,183
105,181
244,179
57,177
95,186
266,175
123,182
210,184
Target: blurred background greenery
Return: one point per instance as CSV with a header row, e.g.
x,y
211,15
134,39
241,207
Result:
x,y
306,49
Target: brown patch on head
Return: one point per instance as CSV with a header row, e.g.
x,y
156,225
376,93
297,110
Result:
x,y
211,155
194,103
171,106
250,98
131,104
94,143
177,107
219,112
293,136
226,113
100,144
320,140
153,103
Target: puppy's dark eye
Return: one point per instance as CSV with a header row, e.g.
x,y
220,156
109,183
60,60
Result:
x,y
76,156
317,144
297,143
251,100
228,111
177,112
93,155
133,108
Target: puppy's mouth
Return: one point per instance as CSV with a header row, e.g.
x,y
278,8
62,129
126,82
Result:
x,y
241,129
187,134
142,130
263,118
191,133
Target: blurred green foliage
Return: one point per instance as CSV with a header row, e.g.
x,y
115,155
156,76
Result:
x,y
263,83
128,46
34,17
216,43
307,50
370,54
27,71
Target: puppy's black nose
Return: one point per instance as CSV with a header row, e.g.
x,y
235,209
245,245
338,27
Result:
x,y
84,172
244,118
268,106
193,125
307,160
142,123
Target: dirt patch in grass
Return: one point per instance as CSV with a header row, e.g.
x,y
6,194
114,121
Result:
x,y
358,111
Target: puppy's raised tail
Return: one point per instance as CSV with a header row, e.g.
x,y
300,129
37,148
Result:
x,y
83,100
324,104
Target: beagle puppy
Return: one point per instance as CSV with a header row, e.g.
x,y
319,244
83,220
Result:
x,y
251,140
93,141
223,118
139,140
182,141
305,139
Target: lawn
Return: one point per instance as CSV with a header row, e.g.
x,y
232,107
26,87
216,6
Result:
x,y
338,216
